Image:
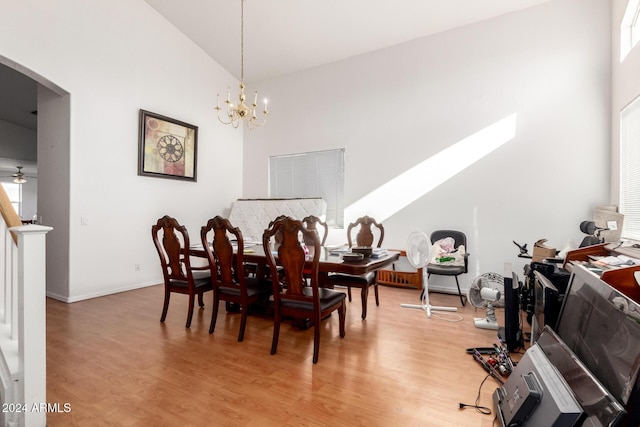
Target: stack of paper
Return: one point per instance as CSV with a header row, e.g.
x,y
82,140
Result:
x,y
379,252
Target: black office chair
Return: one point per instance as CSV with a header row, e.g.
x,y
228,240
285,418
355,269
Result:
x,y
451,270
593,234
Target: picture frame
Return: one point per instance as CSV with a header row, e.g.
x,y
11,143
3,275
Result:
x,y
167,148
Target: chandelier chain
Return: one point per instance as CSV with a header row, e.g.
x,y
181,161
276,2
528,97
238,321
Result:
x,y
242,40
241,112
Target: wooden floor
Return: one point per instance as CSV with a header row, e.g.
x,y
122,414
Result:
x,y
113,361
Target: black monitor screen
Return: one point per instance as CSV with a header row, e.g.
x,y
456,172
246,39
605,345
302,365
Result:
x,y
512,332
602,327
546,305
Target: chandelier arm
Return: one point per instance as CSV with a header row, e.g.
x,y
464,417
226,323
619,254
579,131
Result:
x,y
222,121
230,115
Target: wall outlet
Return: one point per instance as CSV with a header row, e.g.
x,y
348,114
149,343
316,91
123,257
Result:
x,y
136,267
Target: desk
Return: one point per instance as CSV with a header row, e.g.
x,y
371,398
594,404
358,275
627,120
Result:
x,y
621,278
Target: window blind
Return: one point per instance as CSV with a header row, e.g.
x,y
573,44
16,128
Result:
x,y
630,169
313,174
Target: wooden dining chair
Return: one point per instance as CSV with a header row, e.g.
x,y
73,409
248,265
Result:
x,y
172,243
313,223
297,299
229,279
365,236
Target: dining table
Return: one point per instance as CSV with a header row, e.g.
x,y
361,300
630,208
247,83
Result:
x,y
331,259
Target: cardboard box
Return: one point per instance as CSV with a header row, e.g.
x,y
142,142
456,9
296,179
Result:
x,y
542,251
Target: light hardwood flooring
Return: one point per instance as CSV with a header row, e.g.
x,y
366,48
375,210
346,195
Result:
x,y
113,361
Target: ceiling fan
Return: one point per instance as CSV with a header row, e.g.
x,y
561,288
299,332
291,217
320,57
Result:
x,y
19,177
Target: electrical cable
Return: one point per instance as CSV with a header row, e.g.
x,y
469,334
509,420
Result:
x,y
482,409
447,317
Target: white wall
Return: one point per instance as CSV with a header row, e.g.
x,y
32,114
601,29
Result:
x,y
17,142
54,134
29,199
625,88
389,109
394,108
114,58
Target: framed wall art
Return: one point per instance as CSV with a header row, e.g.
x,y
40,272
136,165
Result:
x,y
167,147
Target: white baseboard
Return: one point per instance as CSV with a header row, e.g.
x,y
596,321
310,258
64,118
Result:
x,y
447,289
434,288
100,294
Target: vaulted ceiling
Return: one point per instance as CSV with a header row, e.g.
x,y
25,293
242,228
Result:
x,y
284,36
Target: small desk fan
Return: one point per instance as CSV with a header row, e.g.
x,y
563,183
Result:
x,y
487,291
418,251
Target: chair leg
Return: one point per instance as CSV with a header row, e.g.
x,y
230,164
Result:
x,y
214,312
276,331
165,307
190,313
316,338
363,296
425,289
243,321
200,299
342,315
375,289
463,299
349,293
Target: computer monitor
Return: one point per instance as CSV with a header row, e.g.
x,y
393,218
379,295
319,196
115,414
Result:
x,y
601,326
546,305
511,334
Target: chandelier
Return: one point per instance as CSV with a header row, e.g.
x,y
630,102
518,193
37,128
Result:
x,y
236,114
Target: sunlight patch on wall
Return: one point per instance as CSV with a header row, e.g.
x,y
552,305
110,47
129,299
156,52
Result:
x,y
401,191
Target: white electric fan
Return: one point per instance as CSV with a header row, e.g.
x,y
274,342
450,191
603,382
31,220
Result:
x,y
418,249
487,291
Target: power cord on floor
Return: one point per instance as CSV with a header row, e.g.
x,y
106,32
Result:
x,y
448,317
482,409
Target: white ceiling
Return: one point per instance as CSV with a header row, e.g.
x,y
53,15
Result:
x,y
18,98
284,36
18,102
